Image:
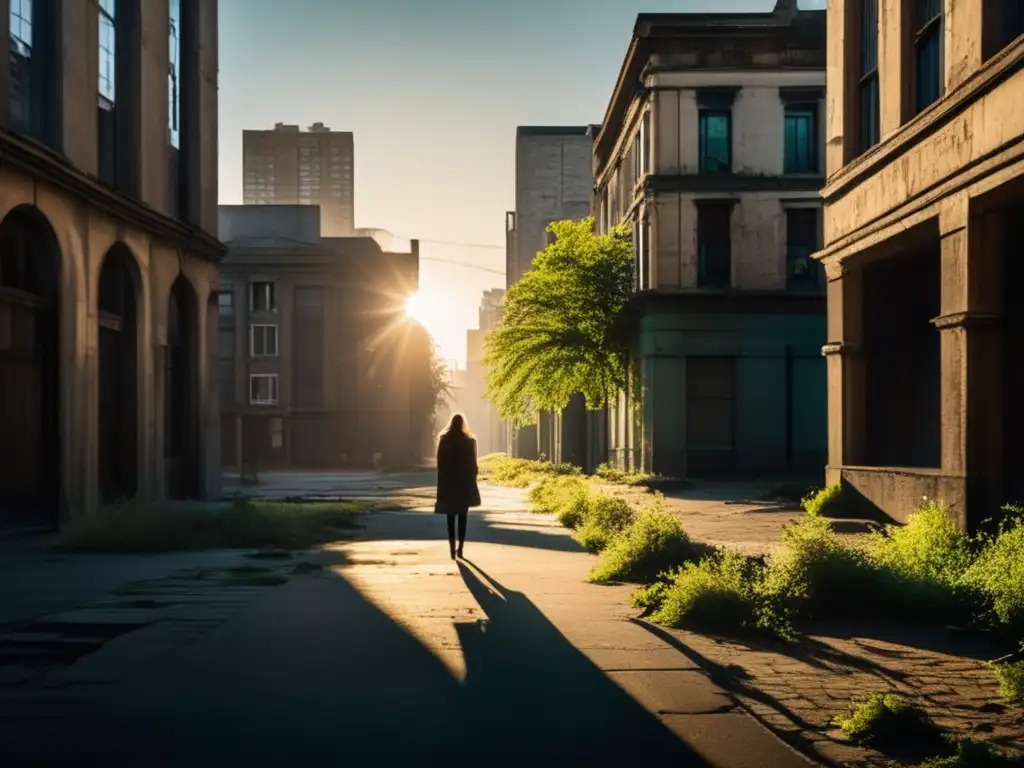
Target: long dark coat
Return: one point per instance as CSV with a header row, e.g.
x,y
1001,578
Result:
x,y
457,490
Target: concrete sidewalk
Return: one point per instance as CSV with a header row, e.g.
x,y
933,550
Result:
x,y
393,652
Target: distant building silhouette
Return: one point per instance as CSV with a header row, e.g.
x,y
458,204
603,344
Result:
x,y
317,366
286,166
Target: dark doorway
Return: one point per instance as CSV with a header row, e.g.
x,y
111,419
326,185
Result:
x,y
901,348
1013,359
181,415
30,474
118,382
710,416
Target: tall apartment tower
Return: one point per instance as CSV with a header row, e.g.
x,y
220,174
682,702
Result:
x,y
286,166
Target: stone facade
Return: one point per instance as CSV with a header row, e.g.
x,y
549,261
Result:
x,y
922,217
108,258
318,363
712,151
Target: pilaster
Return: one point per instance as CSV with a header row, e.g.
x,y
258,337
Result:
x,y
845,366
971,350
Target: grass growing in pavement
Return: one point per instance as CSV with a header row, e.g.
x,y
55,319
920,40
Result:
x,y
886,721
240,524
968,753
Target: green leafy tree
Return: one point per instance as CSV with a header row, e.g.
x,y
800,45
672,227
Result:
x,y
561,329
431,384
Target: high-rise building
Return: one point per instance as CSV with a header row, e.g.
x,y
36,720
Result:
x,y
287,166
108,255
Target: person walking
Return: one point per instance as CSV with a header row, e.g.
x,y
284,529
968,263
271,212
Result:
x,y
457,490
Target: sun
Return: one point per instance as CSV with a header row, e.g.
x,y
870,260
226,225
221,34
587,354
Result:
x,y
418,307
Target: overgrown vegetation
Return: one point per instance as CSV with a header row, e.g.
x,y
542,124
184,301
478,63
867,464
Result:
x,y
240,524
567,497
611,474
605,518
1011,681
653,543
926,571
886,721
502,469
827,502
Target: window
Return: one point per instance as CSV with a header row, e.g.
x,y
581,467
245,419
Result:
x,y
870,125
1012,21
642,251
263,389
225,304
928,69
645,147
106,121
802,272
174,75
715,141
21,63
107,59
261,297
263,341
714,245
801,155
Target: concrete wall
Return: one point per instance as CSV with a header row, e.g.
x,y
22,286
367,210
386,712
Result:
x,y
758,343
553,182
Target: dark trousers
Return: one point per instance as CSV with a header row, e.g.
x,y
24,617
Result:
x,y
462,515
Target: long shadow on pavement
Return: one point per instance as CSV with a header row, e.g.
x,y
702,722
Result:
x,y
541,699
482,528
315,672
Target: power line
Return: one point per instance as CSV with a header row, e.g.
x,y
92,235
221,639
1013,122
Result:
x,y
464,264
461,245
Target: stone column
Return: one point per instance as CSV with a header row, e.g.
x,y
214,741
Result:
x,y
971,353
846,369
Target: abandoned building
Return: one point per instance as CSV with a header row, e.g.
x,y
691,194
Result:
x,y
318,365
108,255
712,149
924,226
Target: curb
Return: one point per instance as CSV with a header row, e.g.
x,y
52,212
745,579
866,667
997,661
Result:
x,y
794,743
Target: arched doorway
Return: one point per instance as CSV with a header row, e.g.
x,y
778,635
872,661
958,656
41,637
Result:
x,y
118,380
181,424
30,474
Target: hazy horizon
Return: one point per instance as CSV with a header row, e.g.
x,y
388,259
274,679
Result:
x,y
433,94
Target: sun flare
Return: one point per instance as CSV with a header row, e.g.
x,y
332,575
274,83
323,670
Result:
x,y
419,308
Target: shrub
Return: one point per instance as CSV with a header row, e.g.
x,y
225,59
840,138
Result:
x,y
611,474
605,517
968,753
887,720
243,524
568,497
502,469
812,573
1011,681
930,548
715,594
648,599
826,502
998,574
654,542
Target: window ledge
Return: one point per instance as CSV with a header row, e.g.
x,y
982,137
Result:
x,y
927,122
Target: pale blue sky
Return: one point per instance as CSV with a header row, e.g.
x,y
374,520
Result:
x,y
433,91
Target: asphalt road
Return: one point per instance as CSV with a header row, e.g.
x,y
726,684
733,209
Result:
x,y
393,652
